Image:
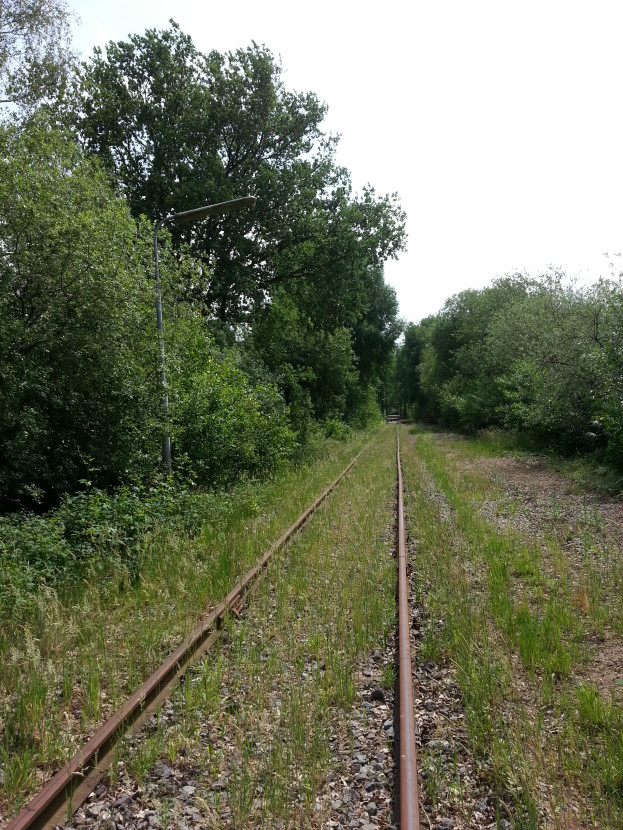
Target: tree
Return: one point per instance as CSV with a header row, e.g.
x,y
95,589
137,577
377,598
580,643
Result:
x,y
376,331
407,384
78,381
35,53
553,343
315,367
607,320
180,128
460,368
224,422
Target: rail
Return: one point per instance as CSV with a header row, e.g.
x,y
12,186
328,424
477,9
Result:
x,y
408,784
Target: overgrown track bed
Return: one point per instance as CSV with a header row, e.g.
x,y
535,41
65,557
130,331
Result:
x,y
70,787
72,655
506,630
452,792
263,732
290,721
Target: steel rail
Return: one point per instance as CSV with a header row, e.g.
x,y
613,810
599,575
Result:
x,y
71,785
409,807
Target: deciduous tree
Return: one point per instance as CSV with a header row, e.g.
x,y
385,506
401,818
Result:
x,y
180,129
75,302
35,50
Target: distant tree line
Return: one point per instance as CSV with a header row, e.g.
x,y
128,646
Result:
x,y
541,356
278,322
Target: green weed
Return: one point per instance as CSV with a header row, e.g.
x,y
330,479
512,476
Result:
x,y
290,661
517,609
168,564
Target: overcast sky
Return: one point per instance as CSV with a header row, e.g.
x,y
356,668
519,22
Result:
x,y
499,124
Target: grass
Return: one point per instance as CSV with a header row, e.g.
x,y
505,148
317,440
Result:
x,y
599,595
533,613
71,657
267,705
588,472
511,624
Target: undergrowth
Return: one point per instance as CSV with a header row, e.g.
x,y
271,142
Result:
x,y
509,620
72,650
100,534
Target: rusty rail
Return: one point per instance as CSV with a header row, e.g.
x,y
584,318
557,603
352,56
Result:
x,y
409,808
71,786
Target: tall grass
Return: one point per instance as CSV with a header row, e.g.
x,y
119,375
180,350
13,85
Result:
x,y
512,625
289,667
70,657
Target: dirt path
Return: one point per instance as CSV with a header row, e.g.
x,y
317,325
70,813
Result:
x,y
543,505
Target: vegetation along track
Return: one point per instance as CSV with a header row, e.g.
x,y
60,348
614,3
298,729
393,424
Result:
x,y
518,609
291,721
70,787
80,778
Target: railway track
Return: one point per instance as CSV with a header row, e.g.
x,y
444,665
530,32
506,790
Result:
x,y
408,776
69,788
73,784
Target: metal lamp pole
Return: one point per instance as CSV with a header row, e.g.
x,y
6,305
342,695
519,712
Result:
x,y
186,216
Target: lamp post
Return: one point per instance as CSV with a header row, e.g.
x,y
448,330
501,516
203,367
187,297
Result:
x,y
186,216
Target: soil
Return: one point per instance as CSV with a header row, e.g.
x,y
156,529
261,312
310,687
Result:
x,y
540,502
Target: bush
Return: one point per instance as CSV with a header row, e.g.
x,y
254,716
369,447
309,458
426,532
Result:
x,y
94,531
334,428
224,427
78,376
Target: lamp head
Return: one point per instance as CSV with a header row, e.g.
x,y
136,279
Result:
x,y
213,210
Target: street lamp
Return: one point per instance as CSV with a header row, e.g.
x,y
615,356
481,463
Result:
x,y
186,216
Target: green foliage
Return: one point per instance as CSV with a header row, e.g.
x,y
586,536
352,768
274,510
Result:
x,y
464,369
35,56
548,342
236,130
75,304
90,531
33,550
375,333
536,356
225,427
303,269
336,429
315,368
407,370
227,420
278,323
80,382
607,367
364,408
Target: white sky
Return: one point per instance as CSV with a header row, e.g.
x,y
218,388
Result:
x,y
499,124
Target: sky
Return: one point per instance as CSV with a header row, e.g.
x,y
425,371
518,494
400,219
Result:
x,y
499,124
